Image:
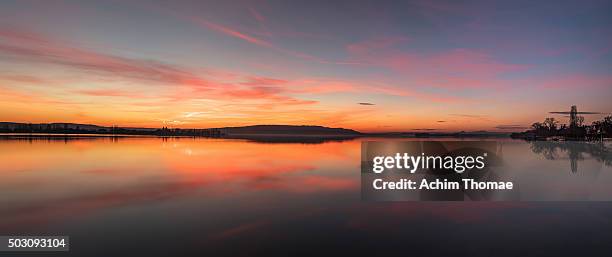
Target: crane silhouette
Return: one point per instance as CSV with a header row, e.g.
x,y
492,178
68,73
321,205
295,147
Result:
x,y
573,115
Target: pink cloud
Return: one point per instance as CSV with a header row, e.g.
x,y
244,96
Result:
x,y
32,47
470,62
263,92
35,48
231,32
25,46
451,69
23,79
258,81
263,43
319,86
261,20
251,39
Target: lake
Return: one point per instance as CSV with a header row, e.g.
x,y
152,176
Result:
x,y
221,197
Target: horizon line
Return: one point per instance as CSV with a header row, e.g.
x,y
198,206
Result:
x,y
416,130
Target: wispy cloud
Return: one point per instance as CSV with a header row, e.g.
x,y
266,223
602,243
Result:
x,y
32,47
35,48
107,92
263,43
232,32
261,21
263,81
322,86
457,68
472,116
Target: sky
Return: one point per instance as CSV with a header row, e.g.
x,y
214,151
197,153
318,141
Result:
x,y
372,66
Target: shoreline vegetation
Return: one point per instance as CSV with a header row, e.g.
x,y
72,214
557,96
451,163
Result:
x,y
272,133
551,130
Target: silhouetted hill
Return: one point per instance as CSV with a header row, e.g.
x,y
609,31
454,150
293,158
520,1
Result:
x,y
286,130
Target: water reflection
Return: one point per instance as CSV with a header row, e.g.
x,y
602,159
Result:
x,y
573,151
47,181
218,197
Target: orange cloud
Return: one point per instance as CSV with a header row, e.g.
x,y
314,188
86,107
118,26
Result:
x,y
159,92
107,92
260,81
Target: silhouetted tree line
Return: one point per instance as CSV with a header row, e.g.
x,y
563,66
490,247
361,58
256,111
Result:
x,y
188,132
66,129
550,127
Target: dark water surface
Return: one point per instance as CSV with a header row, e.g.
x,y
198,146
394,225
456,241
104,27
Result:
x,y
216,197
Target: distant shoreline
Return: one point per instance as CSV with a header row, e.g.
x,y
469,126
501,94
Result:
x,y
248,132
255,138
42,135
247,136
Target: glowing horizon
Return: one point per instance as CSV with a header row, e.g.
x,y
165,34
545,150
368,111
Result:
x,y
370,66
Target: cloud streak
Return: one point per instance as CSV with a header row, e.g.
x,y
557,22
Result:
x,y
35,48
457,68
228,31
231,32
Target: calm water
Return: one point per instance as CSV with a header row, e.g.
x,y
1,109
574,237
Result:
x,y
214,197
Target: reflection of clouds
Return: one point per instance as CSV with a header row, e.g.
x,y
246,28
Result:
x,y
388,216
248,166
100,175
255,226
40,213
304,184
240,229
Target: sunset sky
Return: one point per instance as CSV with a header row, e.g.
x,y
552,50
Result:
x,y
366,65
